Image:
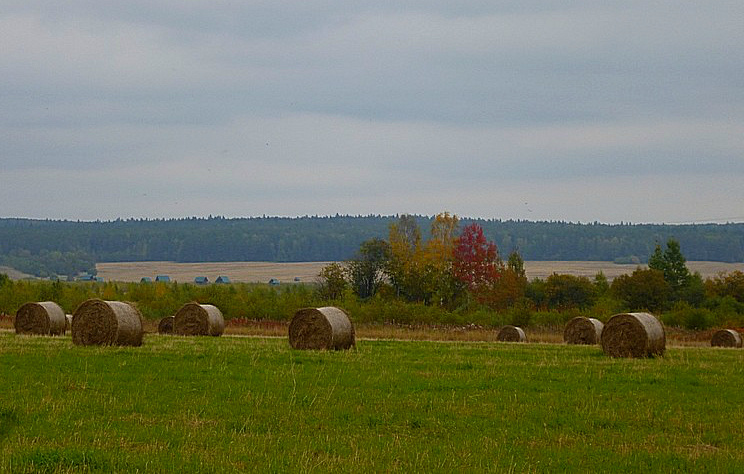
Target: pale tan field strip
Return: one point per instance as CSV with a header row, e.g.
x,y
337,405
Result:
x,y
251,272
248,272
13,273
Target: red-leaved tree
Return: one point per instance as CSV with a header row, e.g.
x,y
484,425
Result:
x,y
476,261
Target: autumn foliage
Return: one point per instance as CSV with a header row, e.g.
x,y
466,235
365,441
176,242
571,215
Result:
x,y
476,262
458,271
445,270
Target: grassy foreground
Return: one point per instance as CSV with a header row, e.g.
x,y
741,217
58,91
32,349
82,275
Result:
x,y
252,404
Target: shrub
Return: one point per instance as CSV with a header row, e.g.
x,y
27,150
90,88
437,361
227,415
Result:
x,y
604,308
725,304
642,290
535,292
569,291
521,314
506,292
685,316
693,291
332,282
554,318
601,285
731,284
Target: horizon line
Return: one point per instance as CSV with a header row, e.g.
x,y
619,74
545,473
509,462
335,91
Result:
x,y
716,221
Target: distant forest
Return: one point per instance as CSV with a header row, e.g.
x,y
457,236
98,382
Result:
x,y
49,247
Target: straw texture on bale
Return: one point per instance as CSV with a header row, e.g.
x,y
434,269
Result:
x,y
165,326
45,318
726,338
511,334
633,335
321,328
105,323
194,319
581,330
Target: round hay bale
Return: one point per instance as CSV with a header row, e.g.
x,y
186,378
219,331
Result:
x,y
633,335
321,328
105,323
165,326
726,338
194,319
511,334
45,318
581,330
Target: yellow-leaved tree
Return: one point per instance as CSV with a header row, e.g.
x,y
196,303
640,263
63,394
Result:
x,y
438,258
423,271
404,267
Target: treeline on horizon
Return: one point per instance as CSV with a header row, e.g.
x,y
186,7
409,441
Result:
x,y
60,247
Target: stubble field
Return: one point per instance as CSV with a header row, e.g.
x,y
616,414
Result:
x,y
250,272
255,405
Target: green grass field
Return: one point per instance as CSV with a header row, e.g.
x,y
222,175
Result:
x,y
252,404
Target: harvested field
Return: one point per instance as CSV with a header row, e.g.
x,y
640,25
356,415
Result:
x,y
14,274
611,270
248,272
307,271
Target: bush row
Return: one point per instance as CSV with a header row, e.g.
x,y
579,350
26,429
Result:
x,y
264,302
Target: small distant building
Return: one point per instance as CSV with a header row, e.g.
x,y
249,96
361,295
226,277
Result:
x,y
145,280
274,281
86,277
296,278
164,278
98,279
222,279
201,280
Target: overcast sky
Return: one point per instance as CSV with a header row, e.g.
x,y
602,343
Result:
x,y
543,110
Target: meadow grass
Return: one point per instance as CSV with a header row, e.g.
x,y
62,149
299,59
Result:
x,y
253,404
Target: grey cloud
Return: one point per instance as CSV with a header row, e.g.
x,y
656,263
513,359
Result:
x,y
395,95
